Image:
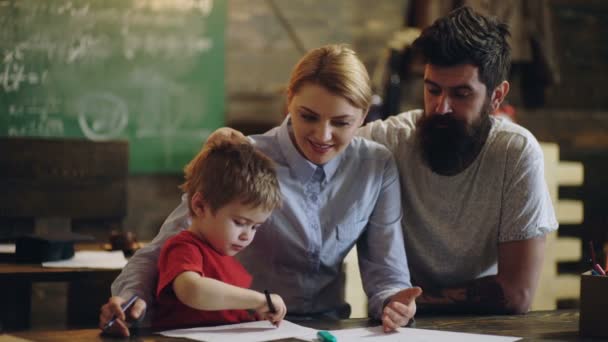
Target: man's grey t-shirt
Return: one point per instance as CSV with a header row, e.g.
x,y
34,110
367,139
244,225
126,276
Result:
x,y
453,224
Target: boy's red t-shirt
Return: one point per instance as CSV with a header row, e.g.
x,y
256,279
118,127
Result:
x,y
186,252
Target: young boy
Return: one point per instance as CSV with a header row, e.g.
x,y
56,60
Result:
x,y
232,189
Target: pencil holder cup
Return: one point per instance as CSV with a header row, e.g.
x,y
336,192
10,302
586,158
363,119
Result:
x,y
593,319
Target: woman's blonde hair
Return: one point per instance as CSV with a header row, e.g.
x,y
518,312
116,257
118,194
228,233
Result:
x,y
336,68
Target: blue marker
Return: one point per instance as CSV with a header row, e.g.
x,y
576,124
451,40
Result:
x,y
124,307
325,336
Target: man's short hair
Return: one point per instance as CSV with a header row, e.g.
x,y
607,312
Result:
x,y
229,171
467,37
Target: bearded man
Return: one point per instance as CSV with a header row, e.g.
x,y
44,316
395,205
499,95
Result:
x,y
476,207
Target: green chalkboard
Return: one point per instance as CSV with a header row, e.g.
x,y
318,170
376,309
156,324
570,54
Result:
x,y
148,71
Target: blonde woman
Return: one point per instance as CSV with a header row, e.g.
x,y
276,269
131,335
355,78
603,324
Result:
x,y
338,190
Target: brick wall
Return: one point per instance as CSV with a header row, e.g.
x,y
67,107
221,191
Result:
x,y
576,109
261,53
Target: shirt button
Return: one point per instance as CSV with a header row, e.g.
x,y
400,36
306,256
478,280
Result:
x,y
314,198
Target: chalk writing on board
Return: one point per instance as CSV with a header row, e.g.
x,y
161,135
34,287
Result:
x,y
102,116
73,10
78,8
13,72
165,47
35,106
35,116
45,127
90,48
204,6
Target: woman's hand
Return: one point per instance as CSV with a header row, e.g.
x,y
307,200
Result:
x,y
400,309
225,134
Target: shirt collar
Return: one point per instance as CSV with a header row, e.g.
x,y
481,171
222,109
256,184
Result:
x,y
301,167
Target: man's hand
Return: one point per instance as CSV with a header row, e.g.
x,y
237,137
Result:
x,y
447,296
279,305
400,309
225,134
112,308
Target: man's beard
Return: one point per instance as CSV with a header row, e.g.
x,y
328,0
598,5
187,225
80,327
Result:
x,y
449,144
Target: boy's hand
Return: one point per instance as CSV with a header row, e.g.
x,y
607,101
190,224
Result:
x,y
112,308
225,134
400,309
274,318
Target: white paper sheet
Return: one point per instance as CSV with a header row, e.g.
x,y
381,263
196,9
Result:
x,y
244,332
7,248
414,335
91,259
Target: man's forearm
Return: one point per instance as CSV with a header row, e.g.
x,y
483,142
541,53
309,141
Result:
x,y
138,276
483,295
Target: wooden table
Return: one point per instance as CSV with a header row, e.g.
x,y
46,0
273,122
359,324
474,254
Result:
x,y
88,289
561,325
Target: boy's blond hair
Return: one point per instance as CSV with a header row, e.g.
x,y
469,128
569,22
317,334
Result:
x,y
228,171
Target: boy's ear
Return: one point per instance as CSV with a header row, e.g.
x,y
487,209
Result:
x,y
198,204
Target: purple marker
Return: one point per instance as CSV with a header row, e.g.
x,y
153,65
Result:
x,y
599,269
124,307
